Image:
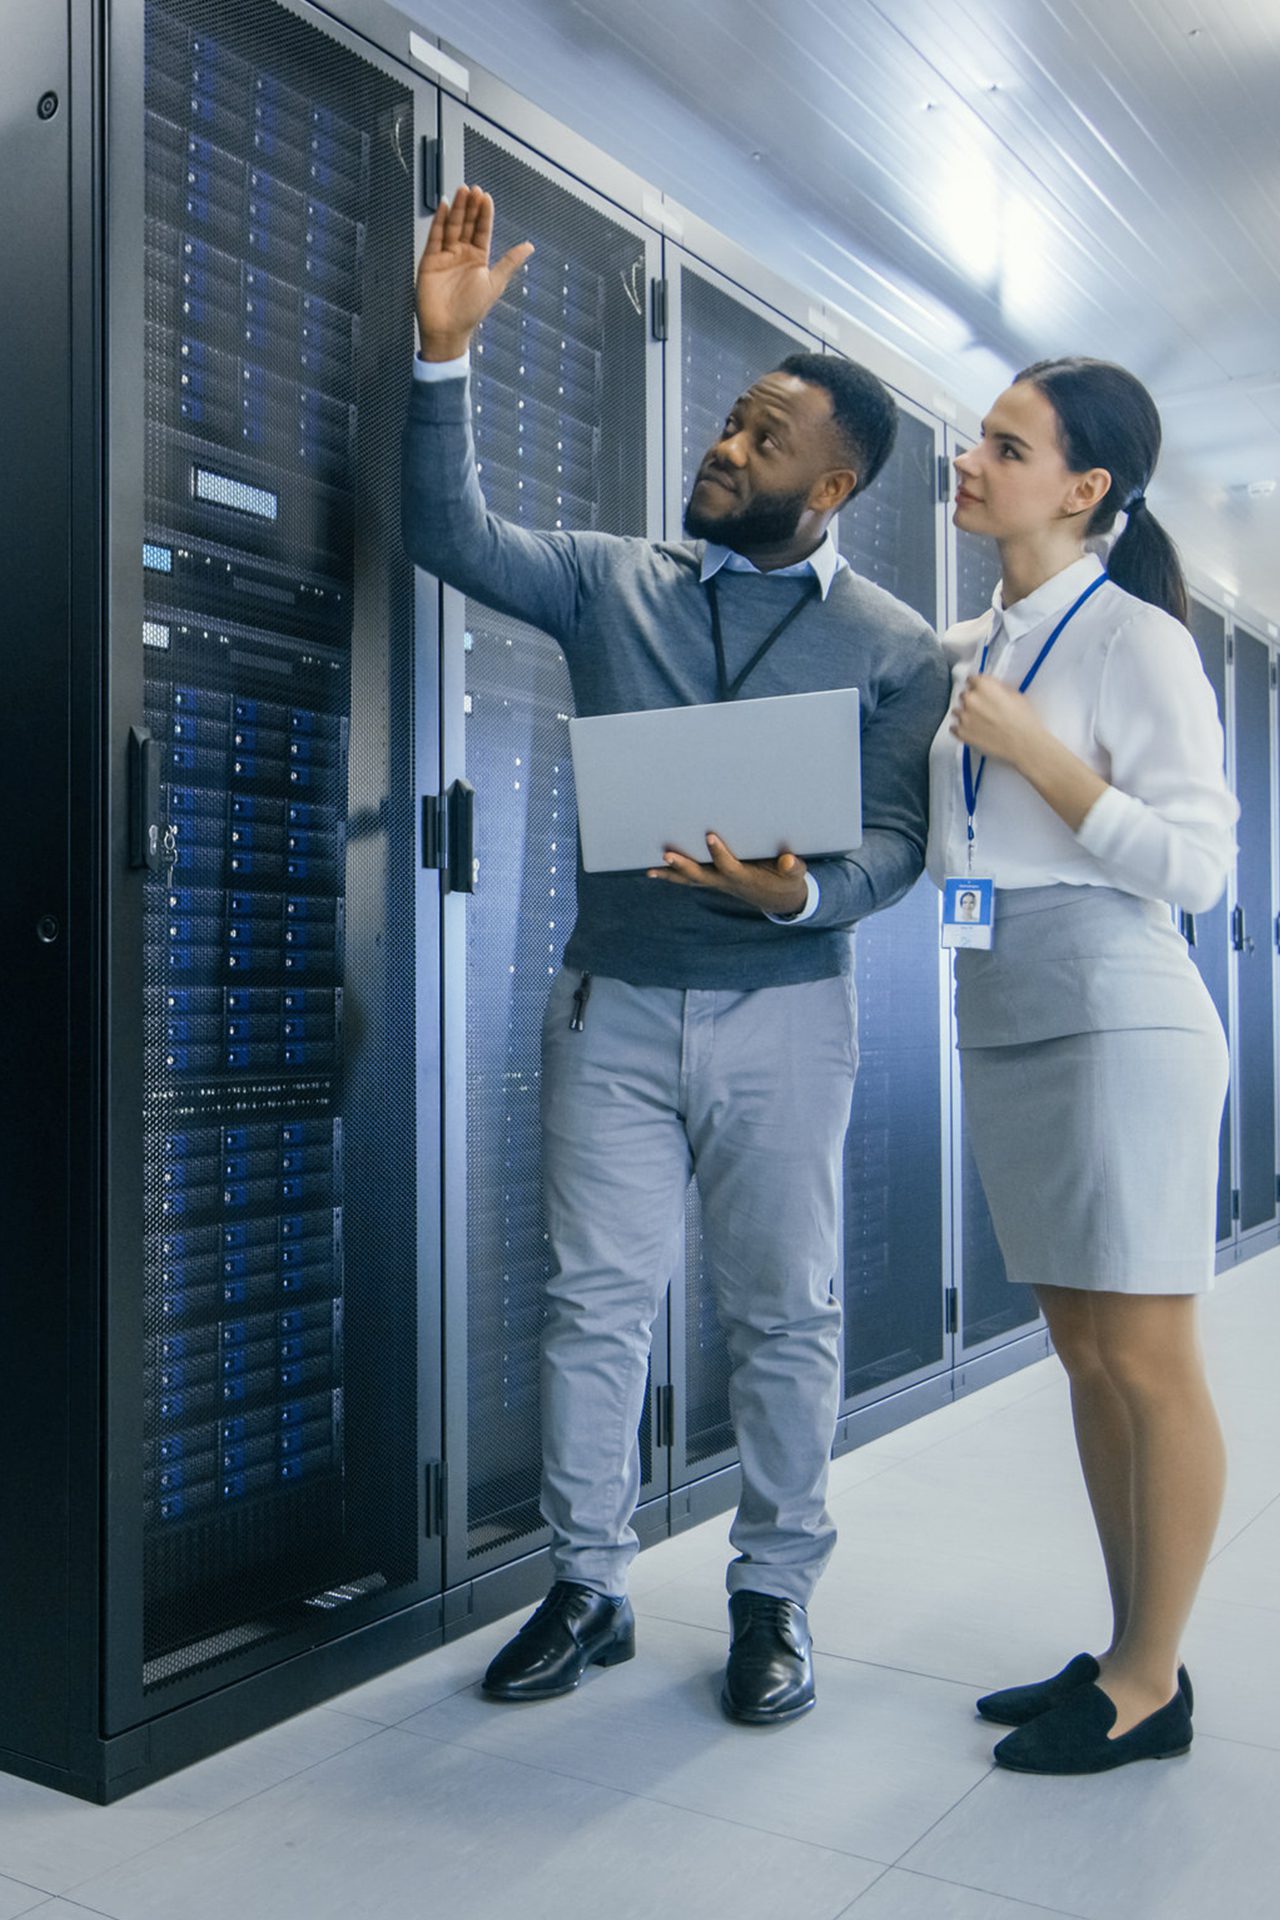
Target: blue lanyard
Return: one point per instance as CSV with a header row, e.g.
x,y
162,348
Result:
x,y
971,782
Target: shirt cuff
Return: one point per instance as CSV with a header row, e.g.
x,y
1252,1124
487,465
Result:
x,y
1106,819
431,371
806,912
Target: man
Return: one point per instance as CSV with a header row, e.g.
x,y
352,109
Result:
x,y
704,1016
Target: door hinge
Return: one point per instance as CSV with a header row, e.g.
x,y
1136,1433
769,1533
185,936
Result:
x,y
448,836
430,173
944,478
659,309
1235,1203
953,1309
664,1416
437,1493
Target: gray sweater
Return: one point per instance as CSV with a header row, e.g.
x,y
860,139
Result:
x,y
634,624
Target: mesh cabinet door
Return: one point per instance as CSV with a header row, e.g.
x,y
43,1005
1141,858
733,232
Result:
x,y
894,1161
279,1369
564,391
1253,932
1209,934
725,341
991,1311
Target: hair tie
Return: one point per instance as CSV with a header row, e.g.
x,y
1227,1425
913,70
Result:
x,y
1138,500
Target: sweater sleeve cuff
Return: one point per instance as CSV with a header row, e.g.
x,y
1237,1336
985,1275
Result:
x,y
431,371
807,911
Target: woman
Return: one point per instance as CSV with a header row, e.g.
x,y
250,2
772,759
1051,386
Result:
x,y
1084,777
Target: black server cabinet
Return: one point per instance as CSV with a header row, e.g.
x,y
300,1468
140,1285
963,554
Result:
x,y
895,1195
990,1309
565,397
725,340
216,1270
1208,934
893,1179
1253,926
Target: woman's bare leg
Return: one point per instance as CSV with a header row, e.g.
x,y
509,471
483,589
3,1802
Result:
x,y
1104,1440
1149,1345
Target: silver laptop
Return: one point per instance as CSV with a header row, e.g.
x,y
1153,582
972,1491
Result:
x,y
769,776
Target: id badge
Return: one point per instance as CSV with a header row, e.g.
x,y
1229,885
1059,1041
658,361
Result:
x,y
968,911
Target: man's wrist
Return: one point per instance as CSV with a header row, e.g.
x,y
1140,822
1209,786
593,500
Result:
x,y
440,346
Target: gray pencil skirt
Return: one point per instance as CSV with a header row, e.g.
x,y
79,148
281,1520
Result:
x,y
1094,1071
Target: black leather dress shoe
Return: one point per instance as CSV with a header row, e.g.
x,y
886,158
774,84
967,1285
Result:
x,y
1016,1706
769,1677
574,1628
1073,1738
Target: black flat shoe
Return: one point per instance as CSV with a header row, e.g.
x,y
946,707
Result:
x,y
769,1677
1016,1706
1073,1738
574,1628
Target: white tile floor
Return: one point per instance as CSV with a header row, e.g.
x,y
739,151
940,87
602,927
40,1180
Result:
x,y
965,1559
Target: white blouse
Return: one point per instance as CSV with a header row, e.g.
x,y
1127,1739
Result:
x,y
1123,687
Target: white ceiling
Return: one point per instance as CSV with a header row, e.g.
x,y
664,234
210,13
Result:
x,y
982,183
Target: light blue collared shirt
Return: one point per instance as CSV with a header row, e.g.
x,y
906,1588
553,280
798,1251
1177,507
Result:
x,y
825,561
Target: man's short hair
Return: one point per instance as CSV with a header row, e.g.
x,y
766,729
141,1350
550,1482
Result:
x,y
862,409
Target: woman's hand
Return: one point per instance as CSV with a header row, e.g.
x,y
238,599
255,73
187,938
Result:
x,y
774,886
993,719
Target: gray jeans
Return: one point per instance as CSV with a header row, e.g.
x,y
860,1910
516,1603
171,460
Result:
x,y
750,1091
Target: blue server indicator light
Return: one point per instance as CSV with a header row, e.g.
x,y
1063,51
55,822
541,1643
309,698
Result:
x,y
157,559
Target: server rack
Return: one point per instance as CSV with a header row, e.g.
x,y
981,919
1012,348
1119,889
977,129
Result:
x,y
565,396
896,1189
990,1312
236,1321
1254,938
1208,934
722,339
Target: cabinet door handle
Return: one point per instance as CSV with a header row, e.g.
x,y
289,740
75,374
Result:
x,y
1237,929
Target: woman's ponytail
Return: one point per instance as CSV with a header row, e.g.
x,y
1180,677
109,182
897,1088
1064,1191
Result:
x,y
1144,561
1106,418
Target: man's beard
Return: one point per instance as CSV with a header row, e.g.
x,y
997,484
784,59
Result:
x,y
770,520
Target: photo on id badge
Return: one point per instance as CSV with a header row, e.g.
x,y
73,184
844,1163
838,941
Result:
x,y
967,906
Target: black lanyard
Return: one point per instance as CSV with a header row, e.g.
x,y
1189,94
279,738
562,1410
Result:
x,y
730,689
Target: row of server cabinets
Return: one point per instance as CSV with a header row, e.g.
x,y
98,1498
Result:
x,y
293,845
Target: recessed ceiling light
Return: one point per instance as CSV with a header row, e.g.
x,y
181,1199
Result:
x,y
1260,489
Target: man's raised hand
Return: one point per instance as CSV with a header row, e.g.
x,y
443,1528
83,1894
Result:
x,y
456,284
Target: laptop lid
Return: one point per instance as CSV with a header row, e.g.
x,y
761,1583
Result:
x,y
780,775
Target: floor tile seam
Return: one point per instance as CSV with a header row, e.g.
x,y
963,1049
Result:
x,y
99,1913
650,1799
846,1911
1015,1899
42,1893
232,1806
1241,1531
385,1726
1233,1740
953,1808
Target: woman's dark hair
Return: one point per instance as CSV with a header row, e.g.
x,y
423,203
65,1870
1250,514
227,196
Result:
x,y
1106,418
862,409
